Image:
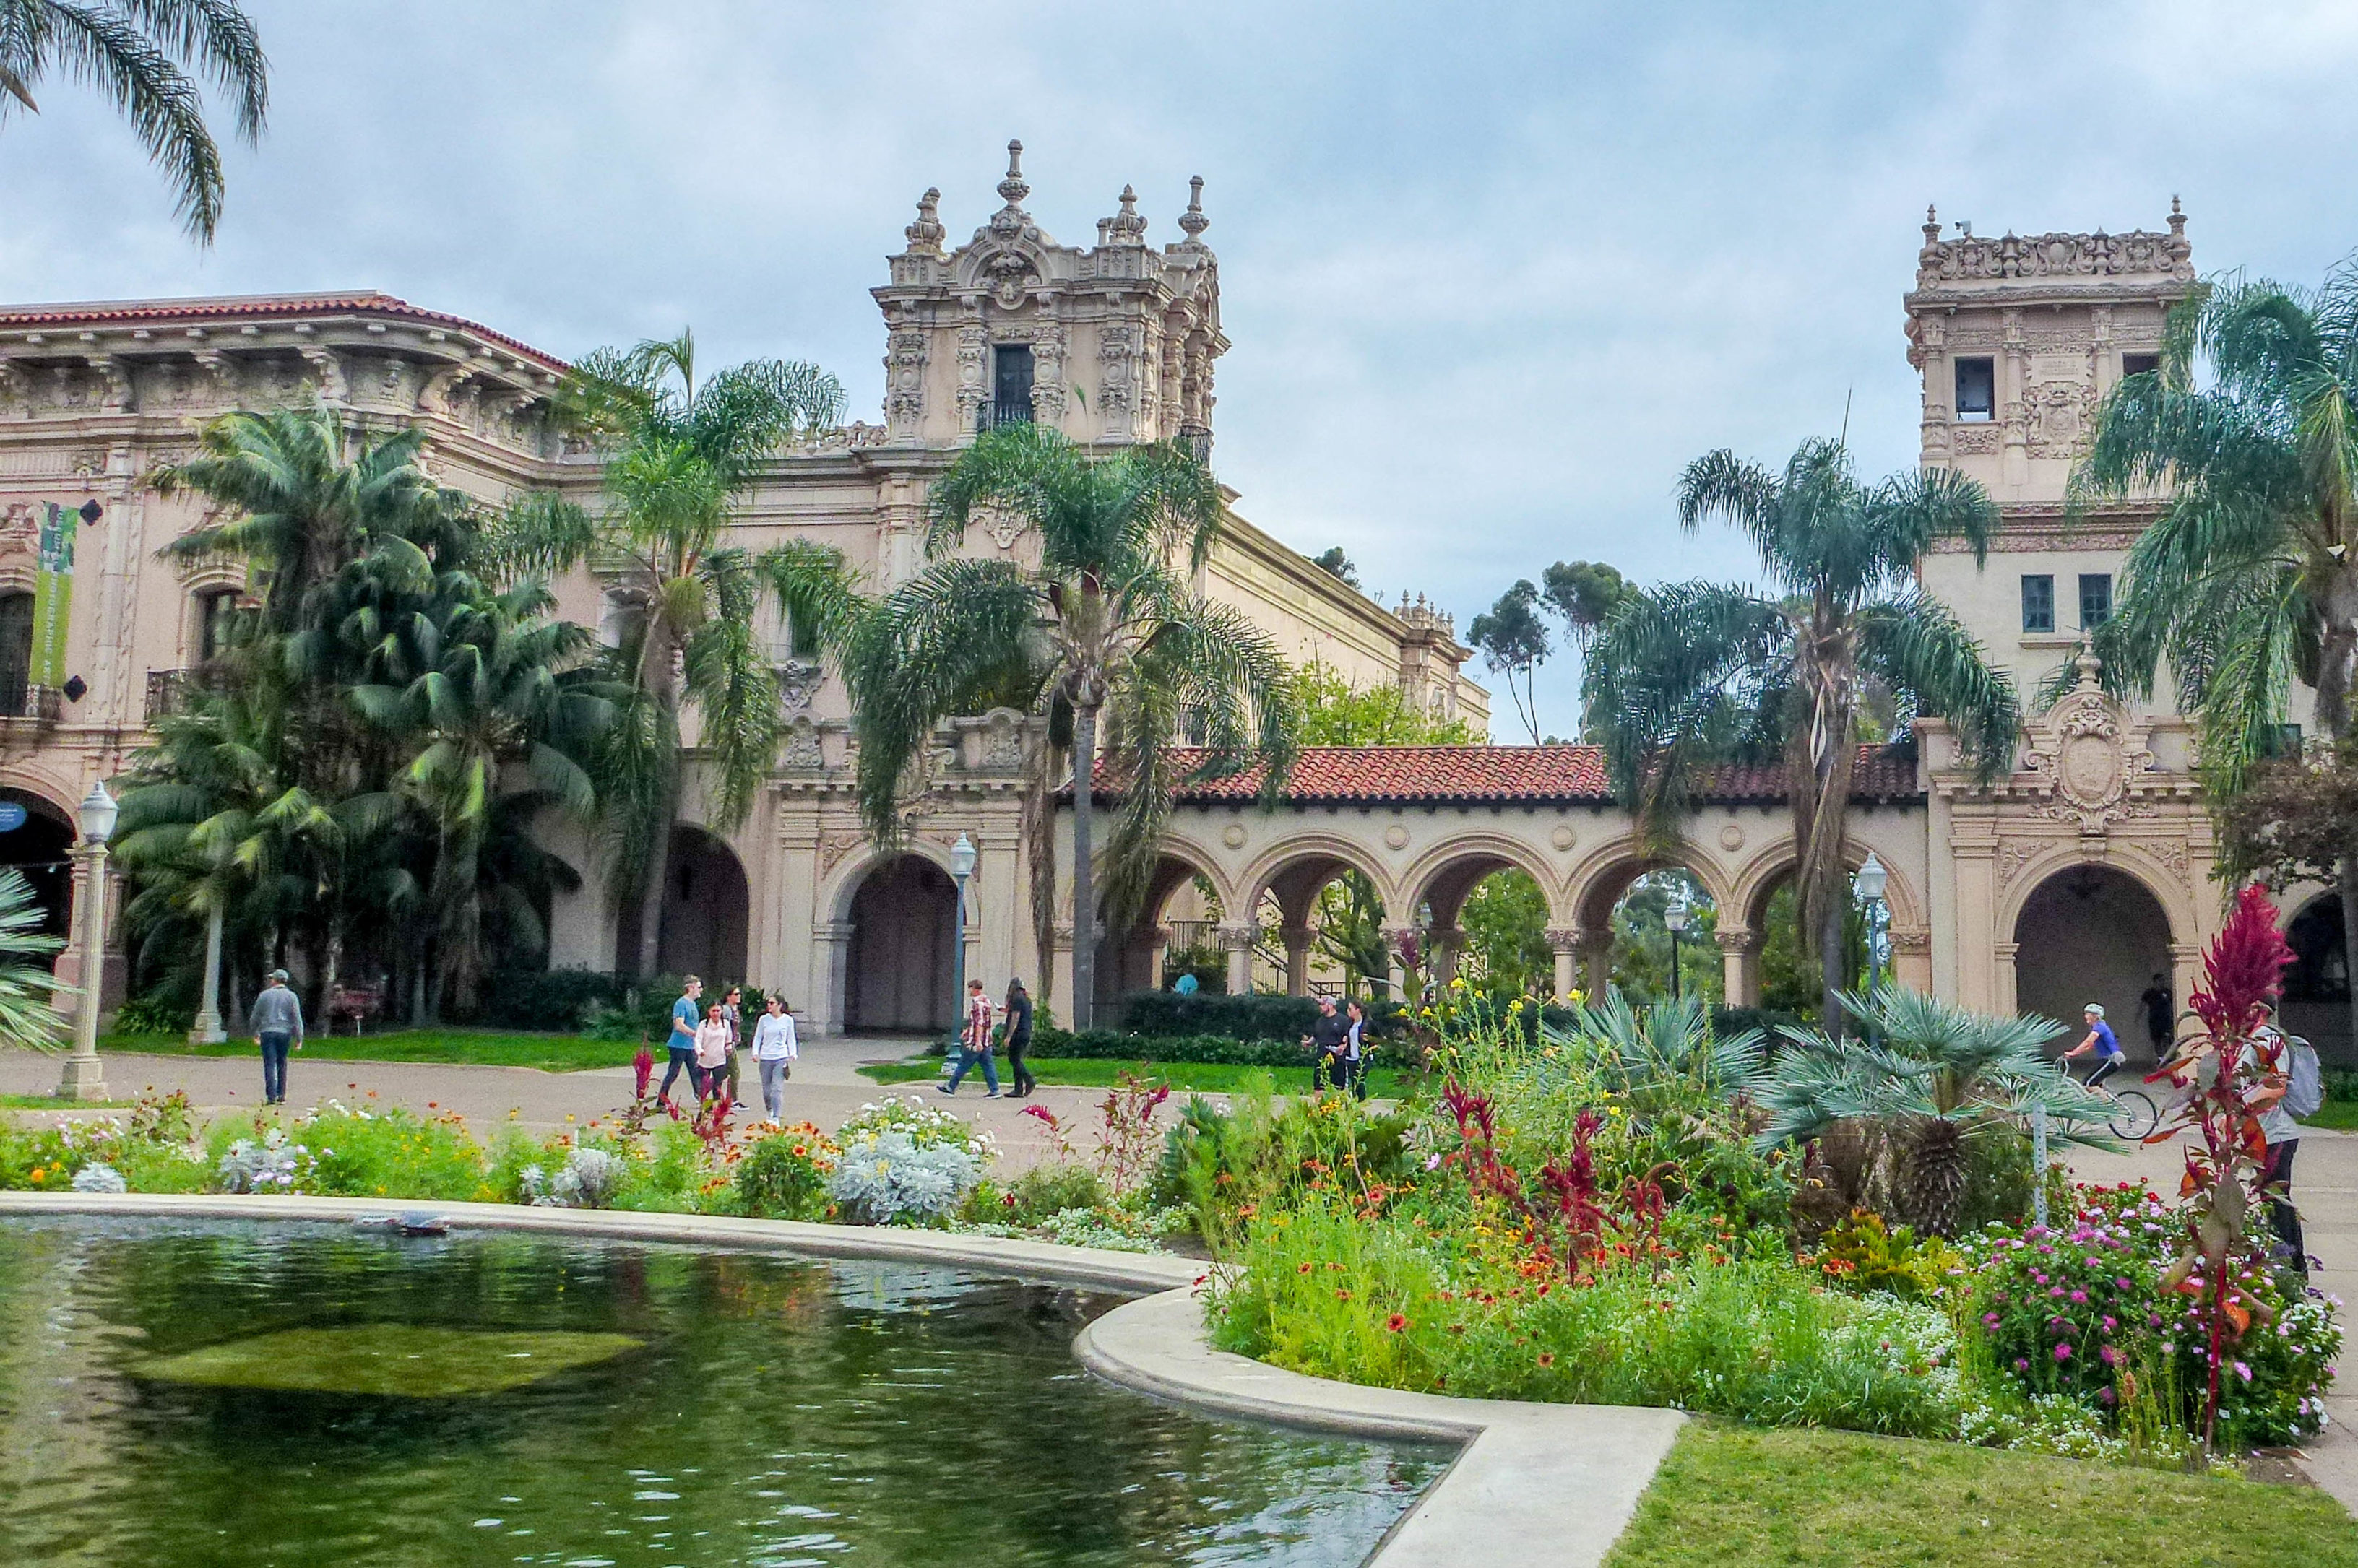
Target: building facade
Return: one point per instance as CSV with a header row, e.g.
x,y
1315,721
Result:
x,y
1112,343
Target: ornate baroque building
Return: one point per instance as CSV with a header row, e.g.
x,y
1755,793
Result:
x,y
1112,343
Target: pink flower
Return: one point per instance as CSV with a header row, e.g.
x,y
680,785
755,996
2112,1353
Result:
x,y
2243,1372
2080,1297
2110,1356
2062,1352
2021,1365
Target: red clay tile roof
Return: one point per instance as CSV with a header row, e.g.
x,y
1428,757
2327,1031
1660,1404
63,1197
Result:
x,y
1508,775
228,308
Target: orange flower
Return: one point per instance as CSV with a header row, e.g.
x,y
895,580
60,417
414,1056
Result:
x,y
1547,1357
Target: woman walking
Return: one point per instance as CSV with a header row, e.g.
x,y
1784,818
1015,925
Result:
x,y
774,1055
1355,1040
711,1052
732,1014
1019,1039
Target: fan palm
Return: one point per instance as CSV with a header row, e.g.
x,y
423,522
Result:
x,y
680,454
1106,626
140,53
1928,1075
1691,673
2246,581
506,686
27,1012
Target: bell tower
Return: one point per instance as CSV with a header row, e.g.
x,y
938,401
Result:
x,y
1111,344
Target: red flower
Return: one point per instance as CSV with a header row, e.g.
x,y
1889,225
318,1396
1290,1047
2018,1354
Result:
x,y
1395,1322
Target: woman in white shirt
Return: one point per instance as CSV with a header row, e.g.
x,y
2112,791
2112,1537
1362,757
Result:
x,y
773,1054
711,1052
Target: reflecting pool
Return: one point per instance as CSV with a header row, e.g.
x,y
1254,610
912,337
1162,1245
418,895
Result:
x,y
272,1393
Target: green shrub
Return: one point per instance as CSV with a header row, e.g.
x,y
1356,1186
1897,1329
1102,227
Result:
x,y
1861,1254
784,1175
1045,1190
557,1000
365,1151
154,1014
1114,1046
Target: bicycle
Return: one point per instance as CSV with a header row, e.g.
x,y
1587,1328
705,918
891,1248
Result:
x,y
2135,1115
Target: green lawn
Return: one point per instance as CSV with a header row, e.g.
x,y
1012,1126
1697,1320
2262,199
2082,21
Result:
x,y
1087,1071
51,1102
2341,1114
1739,1495
483,1048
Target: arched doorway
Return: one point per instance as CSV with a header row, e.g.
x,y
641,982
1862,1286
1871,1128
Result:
x,y
903,949
702,928
1136,957
2091,933
42,849
2317,987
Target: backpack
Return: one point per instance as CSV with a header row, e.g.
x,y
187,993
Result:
x,y
2305,1091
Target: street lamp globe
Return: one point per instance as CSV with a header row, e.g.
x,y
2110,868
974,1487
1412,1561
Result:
x,y
962,858
1675,917
1871,878
98,814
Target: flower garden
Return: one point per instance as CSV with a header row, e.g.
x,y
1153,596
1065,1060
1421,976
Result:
x,y
1806,1233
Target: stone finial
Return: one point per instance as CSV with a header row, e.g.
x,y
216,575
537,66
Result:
x,y
1931,225
1012,190
926,233
1125,227
2176,219
1193,220
2088,665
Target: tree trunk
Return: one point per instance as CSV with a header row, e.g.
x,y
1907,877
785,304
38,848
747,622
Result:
x,y
1038,829
1819,763
2337,655
1084,946
650,943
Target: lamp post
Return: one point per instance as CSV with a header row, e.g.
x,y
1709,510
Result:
x,y
206,1028
1675,917
961,868
84,1078
1869,884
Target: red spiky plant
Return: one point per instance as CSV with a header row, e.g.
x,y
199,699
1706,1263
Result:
x,y
2214,1080
642,1069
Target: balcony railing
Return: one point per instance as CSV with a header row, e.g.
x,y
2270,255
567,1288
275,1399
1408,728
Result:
x,y
167,692
19,698
1006,411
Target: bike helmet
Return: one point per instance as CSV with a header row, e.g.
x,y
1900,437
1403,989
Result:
x,y
2095,1006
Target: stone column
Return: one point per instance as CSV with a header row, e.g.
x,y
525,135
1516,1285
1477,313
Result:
x,y
2185,973
1596,949
1297,959
1238,940
826,1006
2004,1002
1158,948
1448,945
1739,965
1911,959
1563,941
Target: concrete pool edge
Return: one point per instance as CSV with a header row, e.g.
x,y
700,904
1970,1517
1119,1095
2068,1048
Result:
x,y
1533,1483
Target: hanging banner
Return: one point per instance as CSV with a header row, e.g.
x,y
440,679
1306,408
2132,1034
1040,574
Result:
x,y
53,595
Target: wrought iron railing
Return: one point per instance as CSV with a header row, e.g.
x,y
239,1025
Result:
x,y
1198,440
1003,411
21,698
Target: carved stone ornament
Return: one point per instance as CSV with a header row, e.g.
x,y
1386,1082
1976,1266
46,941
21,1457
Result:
x,y
1396,836
1233,836
1003,524
1002,742
798,683
2059,415
1731,838
2012,857
1564,838
835,847
802,749
2089,757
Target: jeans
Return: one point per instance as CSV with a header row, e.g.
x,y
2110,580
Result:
x,y
1327,1072
1019,1076
2283,1217
774,1071
274,1046
967,1059
683,1059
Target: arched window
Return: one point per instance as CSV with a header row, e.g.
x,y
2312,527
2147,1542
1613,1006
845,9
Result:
x,y
16,650
214,608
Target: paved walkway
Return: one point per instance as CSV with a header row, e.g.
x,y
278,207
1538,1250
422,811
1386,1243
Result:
x,y
826,1088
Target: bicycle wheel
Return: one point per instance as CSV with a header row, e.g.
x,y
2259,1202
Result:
x,y
2134,1116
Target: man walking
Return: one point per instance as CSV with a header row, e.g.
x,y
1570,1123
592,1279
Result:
x,y
277,1029
1325,1039
2160,1017
1019,1039
732,1014
685,1016
975,1043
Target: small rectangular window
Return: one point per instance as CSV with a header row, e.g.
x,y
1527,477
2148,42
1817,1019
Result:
x,y
2095,599
2137,364
1978,388
213,610
802,638
2039,601
2283,741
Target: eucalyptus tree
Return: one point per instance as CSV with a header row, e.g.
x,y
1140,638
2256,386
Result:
x,y
1514,642
2246,580
1690,674
680,454
147,57
1103,629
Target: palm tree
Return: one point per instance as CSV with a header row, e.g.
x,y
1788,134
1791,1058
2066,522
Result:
x,y
1692,673
140,53
1926,1077
2246,581
508,688
680,454
27,1010
1105,629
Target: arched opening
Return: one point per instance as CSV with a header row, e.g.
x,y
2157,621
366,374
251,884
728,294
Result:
x,y
1627,915
1786,979
2317,987
1322,931
901,968
702,928
1485,919
1138,955
2091,933
41,848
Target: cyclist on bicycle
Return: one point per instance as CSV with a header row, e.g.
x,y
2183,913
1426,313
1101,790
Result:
x,y
2102,1040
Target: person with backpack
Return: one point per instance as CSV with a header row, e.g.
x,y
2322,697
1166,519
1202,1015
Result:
x,y
2292,1087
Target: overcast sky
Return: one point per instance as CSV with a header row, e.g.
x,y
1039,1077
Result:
x,y
1492,272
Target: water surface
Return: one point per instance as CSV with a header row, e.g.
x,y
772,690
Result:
x,y
216,1392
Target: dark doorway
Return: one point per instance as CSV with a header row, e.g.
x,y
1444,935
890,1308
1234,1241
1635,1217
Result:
x,y
702,928
903,949
2317,987
41,849
2091,933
